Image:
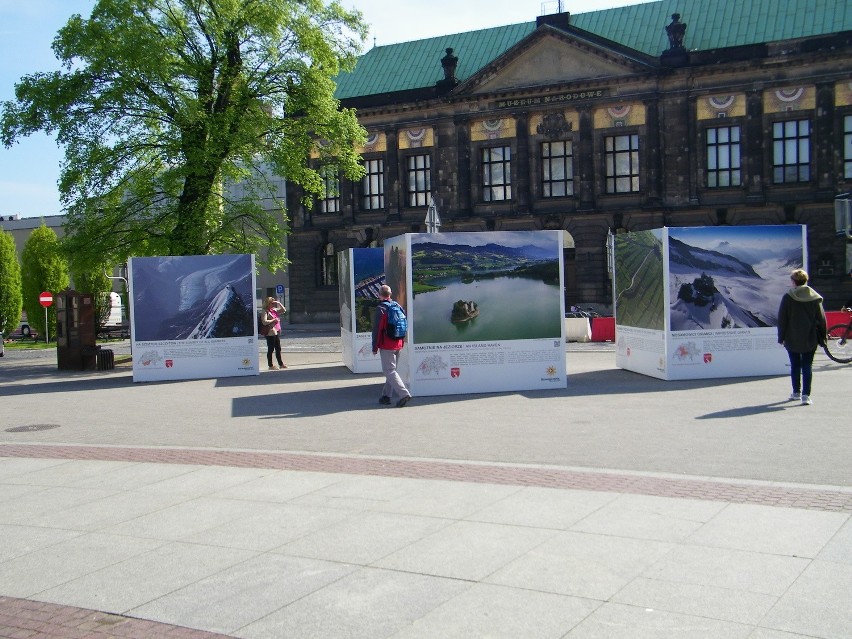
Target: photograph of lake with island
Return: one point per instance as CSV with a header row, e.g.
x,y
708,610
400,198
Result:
x,y
498,286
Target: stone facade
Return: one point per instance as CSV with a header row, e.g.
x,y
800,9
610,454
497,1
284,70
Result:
x,y
758,134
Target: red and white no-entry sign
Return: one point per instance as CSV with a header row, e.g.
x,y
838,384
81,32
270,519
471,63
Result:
x,y
45,299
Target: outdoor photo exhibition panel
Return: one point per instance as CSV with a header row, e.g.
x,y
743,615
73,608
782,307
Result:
x,y
702,302
361,271
193,317
485,310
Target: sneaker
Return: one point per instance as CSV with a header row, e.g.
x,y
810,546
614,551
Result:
x,y
273,368
402,402
385,400
806,401
795,397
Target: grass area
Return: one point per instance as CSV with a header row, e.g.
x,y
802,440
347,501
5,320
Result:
x,y
39,345
27,344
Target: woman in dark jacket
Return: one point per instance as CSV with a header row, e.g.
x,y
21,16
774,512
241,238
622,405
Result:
x,y
801,327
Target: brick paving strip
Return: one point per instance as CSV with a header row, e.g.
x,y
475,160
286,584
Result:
x,y
22,619
761,493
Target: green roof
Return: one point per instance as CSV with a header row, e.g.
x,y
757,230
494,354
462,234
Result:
x,y
711,24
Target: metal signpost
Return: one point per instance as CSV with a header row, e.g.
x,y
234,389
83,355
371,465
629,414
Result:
x,y
46,299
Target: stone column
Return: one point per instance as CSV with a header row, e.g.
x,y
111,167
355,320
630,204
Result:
x,y
585,157
463,168
754,148
521,166
652,153
393,192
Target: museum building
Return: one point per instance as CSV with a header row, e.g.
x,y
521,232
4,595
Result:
x,y
666,113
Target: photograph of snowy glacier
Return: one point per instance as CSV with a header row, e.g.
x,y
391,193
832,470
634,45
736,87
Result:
x,y
730,277
192,297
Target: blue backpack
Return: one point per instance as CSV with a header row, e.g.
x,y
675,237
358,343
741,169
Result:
x,y
397,326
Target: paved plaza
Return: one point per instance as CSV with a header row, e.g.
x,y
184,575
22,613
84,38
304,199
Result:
x,y
292,505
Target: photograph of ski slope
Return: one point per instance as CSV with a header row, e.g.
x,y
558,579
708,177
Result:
x,y
639,289
192,297
731,277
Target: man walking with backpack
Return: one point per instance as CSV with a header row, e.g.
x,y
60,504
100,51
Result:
x,y
387,343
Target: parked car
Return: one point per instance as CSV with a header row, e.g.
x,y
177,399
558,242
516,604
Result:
x,y
24,331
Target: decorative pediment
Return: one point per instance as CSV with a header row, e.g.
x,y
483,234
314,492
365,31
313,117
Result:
x,y
549,57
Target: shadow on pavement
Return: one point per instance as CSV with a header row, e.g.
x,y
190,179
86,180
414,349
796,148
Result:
x,y
345,391
745,411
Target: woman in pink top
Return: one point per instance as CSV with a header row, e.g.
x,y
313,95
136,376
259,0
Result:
x,y
272,311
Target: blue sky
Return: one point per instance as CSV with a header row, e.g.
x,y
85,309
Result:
x,y
30,169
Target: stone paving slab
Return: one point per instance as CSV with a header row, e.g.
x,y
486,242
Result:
x,y
346,562
288,505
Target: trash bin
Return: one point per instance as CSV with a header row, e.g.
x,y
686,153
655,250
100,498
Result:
x,y
106,359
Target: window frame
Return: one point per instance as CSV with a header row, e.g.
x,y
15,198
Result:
x,y
846,154
610,157
785,166
366,195
329,174
488,163
419,197
716,126
327,276
546,163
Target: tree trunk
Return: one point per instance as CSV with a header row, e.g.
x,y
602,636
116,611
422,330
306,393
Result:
x,y
190,235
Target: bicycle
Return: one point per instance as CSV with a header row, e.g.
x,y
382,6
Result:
x,y
576,311
838,343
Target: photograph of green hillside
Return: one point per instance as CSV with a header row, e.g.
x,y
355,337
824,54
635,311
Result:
x,y
639,280
486,286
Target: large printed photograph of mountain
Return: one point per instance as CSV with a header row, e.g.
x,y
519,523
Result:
x,y
192,297
731,277
639,280
486,286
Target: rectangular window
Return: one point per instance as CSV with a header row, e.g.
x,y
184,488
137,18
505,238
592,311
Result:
x,y
621,157
330,200
419,179
723,157
557,169
328,265
847,147
496,174
791,151
373,185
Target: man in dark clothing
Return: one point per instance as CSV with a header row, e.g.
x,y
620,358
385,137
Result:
x,y
801,327
388,349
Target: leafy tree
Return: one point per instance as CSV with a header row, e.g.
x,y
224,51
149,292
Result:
x,y
44,268
165,104
10,284
96,282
